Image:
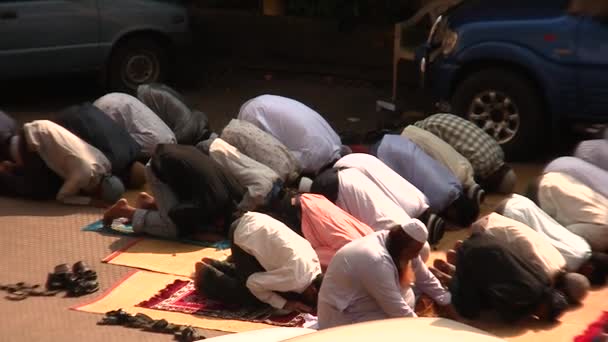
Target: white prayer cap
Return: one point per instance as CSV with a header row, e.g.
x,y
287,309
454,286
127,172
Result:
x,y
305,185
416,230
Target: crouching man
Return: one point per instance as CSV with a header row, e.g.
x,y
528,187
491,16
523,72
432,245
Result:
x,y
371,278
485,273
45,159
270,264
191,197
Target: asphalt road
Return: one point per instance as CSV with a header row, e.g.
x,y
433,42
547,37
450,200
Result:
x,y
349,104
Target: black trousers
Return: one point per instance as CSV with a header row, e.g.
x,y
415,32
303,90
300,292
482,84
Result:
x,y
226,282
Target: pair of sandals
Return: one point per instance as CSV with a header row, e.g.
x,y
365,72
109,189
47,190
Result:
x,y
77,281
141,321
21,291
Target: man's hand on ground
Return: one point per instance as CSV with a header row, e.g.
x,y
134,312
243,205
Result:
x,y
293,305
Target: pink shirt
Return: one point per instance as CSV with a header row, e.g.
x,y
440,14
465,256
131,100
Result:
x,y
327,227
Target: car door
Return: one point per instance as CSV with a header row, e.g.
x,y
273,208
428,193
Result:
x,y
48,36
592,54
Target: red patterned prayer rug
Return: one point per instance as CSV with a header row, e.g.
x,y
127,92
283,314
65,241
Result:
x,y
595,331
180,296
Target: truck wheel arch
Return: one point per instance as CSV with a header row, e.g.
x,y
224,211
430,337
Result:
x,y
517,85
474,66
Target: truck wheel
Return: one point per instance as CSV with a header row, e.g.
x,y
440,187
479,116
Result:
x,y
137,61
505,105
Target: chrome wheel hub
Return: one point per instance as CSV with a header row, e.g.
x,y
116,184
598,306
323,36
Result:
x,y
496,114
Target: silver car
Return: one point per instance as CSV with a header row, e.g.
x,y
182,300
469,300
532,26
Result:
x,y
129,42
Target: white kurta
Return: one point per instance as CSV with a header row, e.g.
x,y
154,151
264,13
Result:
x,y
398,189
360,197
257,178
362,284
576,206
573,248
527,243
146,128
306,133
81,165
290,262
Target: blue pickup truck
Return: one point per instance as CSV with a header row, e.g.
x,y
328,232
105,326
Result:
x,y
518,69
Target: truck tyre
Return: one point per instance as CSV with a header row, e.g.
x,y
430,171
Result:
x,y
507,106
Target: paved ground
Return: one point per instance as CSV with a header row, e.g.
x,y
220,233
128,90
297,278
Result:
x,y
37,236
220,92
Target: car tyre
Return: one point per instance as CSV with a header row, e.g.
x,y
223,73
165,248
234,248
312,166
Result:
x,y
136,61
505,102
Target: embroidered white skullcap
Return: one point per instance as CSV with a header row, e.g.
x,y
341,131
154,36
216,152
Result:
x,y
417,230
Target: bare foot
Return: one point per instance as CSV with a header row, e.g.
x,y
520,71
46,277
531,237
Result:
x,y
145,201
443,278
451,256
444,267
120,209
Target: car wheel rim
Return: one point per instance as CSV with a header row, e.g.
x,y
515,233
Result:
x,y
140,68
496,113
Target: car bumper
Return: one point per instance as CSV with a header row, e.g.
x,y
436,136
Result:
x,y
437,75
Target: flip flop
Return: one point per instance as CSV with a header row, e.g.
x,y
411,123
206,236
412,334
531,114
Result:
x,y
59,278
145,322
21,291
81,287
115,317
188,334
17,295
82,270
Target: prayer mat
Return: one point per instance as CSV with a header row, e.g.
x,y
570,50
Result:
x,y
181,296
141,286
126,229
595,331
163,256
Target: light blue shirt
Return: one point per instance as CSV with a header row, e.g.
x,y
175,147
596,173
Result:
x,y
440,186
584,172
594,152
305,132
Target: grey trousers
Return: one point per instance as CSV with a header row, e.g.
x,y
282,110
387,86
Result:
x,y
157,222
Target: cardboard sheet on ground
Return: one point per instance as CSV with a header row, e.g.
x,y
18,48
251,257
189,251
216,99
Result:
x,y
164,256
142,285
